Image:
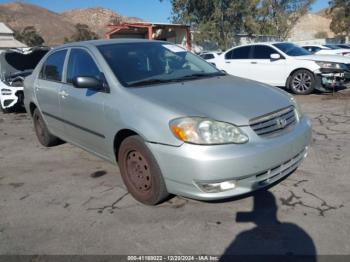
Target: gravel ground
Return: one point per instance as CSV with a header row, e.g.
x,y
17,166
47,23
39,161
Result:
x,y
63,200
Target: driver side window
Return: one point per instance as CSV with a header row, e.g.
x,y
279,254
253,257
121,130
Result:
x,y
81,64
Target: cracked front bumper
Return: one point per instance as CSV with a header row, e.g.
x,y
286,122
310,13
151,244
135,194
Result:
x,y
10,96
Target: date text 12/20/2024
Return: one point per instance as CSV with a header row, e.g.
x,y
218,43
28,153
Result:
x,y
173,258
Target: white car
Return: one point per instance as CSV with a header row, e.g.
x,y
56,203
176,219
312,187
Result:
x,y
210,56
285,65
15,65
327,50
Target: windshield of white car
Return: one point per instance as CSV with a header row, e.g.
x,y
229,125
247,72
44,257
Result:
x,y
147,63
291,49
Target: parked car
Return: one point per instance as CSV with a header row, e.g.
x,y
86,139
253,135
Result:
x,y
327,50
286,65
15,64
173,122
345,46
210,56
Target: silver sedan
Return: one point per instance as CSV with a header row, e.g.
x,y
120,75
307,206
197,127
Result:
x,y
172,122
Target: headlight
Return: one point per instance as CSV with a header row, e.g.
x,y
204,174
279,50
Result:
x,y
330,65
204,131
297,107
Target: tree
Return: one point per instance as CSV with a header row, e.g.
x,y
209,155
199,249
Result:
x,y
82,33
29,36
340,13
321,34
222,20
278,17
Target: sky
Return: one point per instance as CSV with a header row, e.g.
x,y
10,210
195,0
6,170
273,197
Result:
x,y
149,10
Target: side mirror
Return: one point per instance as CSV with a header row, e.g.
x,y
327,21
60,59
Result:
x,y
275,56
87,82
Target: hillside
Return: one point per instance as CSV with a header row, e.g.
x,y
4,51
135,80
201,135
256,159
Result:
x,y
96,18
309,25
54,27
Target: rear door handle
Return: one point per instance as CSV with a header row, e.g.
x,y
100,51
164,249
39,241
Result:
x,y
254,63
36,87
227,62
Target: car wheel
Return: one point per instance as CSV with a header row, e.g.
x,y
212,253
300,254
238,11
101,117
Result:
x,y
44,136
302,82
140,171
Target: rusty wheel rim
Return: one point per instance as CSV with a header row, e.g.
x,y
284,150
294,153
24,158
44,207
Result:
x,y
138,172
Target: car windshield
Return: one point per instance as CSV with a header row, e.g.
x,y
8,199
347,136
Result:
x,y
146,63
291,49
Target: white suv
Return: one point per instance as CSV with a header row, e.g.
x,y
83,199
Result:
x,y
286,65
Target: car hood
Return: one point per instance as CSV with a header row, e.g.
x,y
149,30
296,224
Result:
x,y
325,58
17,61
226,98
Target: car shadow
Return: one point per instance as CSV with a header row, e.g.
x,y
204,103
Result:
x,y
270,239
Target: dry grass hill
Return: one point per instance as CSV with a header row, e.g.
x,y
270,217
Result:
x,y
54,27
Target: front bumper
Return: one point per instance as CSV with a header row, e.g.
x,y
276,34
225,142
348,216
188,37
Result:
x,y
254,165
328,79
10,96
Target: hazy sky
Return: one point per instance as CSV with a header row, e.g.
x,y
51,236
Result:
x,y
149,10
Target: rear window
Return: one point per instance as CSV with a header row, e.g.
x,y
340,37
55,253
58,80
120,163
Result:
x,y
53,67
239,53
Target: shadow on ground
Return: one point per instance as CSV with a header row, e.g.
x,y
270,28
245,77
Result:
x,y
269,236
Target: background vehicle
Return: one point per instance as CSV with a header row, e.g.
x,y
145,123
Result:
x,y
15,65
346,46
173,122
285,65
210,56
327,50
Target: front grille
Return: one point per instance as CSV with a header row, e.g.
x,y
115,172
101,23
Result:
x,y
274,123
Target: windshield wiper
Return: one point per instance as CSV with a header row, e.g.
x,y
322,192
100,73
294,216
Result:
x,y
199,75
150,81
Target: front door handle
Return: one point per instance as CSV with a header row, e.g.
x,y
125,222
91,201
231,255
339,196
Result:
x,y
228,62
254,63
63,94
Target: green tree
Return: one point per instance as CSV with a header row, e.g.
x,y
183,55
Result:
x,y
278,17
82,33
29,36
222,20
340,13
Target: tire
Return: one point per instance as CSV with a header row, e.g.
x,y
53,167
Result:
x,y
43,134
4,110
140,172
302,82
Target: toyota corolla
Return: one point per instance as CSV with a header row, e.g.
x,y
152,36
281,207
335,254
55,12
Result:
x,y
172,122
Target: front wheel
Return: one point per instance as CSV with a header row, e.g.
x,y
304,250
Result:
x,y
140,172
302,82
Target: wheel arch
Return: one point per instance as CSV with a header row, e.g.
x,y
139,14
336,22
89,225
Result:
x,y
32,107
295,70
119,137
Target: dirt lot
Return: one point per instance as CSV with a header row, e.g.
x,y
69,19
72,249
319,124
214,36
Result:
x,y
63,200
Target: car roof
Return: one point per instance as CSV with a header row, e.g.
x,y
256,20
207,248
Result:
x,y
101,42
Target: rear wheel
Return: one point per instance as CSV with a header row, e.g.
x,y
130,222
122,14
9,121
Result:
x,y
140,172
302,82
44,136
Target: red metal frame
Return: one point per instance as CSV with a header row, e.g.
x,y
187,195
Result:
x,y
149,27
